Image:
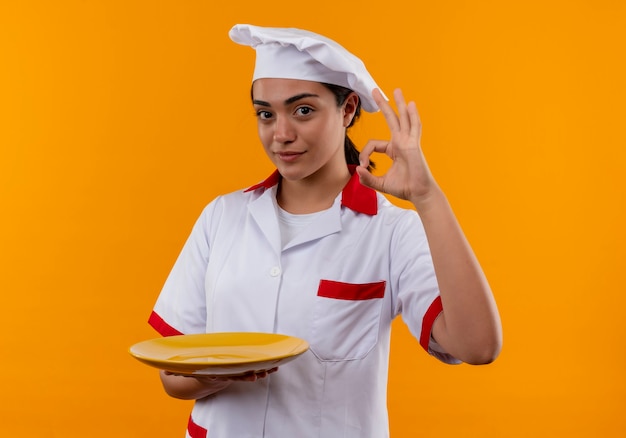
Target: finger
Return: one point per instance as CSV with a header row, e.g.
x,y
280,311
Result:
x,y
390,116
379,98
370,147
416,123
403,114
248,377
369,180
253,376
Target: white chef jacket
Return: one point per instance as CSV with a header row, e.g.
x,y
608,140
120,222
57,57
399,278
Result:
x,y
338,285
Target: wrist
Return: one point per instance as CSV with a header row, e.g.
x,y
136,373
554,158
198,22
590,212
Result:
x,y
433,199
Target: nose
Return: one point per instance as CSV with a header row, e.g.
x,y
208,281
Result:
x,y
284,131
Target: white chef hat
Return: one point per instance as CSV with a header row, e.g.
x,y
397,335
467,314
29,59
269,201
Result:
x,y
290,53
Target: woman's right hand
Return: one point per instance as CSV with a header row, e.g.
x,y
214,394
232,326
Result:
x,y
196,387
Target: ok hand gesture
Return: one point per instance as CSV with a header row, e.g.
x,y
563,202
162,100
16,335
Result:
x,y
408,177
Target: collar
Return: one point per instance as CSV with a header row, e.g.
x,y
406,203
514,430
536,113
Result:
x,y
355,195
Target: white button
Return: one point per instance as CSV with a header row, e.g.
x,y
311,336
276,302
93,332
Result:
x,y
275,271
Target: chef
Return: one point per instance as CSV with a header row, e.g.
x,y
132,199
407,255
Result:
x,y
317,252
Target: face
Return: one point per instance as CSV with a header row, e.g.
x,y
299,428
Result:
x,y
301,127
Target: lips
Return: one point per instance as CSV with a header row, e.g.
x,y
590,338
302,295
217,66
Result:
x,y
289,156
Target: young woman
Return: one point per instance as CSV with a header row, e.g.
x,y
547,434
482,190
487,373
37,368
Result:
x,y
315,252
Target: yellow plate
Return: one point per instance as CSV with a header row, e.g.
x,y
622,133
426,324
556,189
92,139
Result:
x,y
219,354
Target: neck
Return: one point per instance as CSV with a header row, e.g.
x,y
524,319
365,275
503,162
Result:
x,y
312,194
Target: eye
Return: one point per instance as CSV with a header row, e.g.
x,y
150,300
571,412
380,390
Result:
x,y
264,115
304,111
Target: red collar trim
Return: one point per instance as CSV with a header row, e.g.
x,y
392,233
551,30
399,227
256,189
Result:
x,y
269,182
355,195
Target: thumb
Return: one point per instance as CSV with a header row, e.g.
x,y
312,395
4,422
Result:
x,y
369,180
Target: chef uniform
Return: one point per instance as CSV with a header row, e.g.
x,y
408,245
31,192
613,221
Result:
x,y
337,281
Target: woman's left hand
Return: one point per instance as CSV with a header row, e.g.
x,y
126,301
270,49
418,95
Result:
x,y
408,177
469,327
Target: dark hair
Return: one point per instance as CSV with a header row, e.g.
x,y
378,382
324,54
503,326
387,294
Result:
x,y
341,94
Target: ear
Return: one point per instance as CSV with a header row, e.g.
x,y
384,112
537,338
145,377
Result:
x,y
349,109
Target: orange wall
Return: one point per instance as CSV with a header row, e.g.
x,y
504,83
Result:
x,y
120,120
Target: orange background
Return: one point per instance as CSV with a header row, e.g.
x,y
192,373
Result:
x,y
120,120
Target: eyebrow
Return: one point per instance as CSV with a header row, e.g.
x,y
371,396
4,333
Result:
x,y
288,101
